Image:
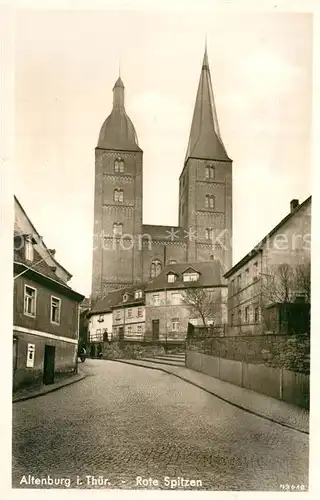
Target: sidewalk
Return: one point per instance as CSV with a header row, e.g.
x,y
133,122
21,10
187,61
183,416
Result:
x,y
258,404
34,392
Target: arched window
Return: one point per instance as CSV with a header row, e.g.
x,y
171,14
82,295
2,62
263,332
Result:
x,y
119,165
210,201
209,172
209,233
117,228
118,195
155,268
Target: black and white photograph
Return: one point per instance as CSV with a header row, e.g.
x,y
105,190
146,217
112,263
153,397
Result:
x,y
161,241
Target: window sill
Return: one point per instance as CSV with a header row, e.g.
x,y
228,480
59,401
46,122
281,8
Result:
x,y
29,315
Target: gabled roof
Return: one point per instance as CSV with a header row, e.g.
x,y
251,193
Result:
x,y
205,140
39,269
17,231
115,298
259,247
192,270
210,275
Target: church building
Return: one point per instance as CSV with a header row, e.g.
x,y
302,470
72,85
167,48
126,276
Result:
x,y
126,251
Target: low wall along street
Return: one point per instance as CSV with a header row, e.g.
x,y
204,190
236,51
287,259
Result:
x,y
275,365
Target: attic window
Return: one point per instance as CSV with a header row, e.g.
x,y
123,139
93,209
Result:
x,y
28,246
190,277
101,318
125,297
171,278
138,294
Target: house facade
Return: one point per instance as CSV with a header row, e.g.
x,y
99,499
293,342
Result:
x,y
46,317
260,279
125,250
129,319
120,315
167,311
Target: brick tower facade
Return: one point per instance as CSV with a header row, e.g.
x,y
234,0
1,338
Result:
x,y
125,251
117,260
205,190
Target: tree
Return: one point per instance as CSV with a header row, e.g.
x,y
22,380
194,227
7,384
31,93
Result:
x,y
303,279
283,287
201,302
284,282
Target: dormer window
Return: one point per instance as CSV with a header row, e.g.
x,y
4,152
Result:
x,y
138,294
171,278
28,248
191,276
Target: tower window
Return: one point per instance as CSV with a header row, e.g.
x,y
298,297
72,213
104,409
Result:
x,y
118,195
155,269
117,228
119,165
209,172
210,201
209,233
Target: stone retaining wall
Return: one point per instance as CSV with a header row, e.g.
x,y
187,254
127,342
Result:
x,y
278,383
289,352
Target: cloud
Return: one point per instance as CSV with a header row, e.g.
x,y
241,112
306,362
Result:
x,y
265,71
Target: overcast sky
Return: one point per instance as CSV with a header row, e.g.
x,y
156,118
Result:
x,y
66,64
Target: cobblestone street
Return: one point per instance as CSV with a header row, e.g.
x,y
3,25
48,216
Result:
x,y
124,421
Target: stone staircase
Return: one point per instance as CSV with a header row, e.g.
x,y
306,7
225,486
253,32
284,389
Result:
x,y
166,359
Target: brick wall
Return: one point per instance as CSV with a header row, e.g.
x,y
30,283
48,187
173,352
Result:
x,y
290,352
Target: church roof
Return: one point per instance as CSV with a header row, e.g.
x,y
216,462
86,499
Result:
x,y
118,132
205,140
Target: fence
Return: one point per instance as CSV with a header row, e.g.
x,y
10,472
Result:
x,y
275,365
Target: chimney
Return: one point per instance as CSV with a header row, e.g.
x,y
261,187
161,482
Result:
x,y
28,247
293,205
52,252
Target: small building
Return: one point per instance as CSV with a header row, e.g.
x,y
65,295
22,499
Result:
x,y
128,316
45,314
168,314
100,318
269,275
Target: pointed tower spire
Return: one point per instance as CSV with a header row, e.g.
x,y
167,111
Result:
x,y
205,140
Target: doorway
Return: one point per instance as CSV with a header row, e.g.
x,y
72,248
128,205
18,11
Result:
x,y
121,333
48,367
155,329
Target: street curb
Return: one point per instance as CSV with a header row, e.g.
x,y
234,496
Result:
x,y
72,380
252,412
